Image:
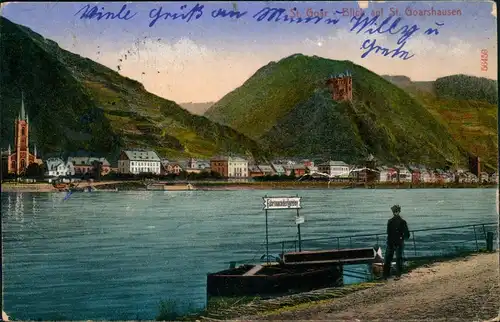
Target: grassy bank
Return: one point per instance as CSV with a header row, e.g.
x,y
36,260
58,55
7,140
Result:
x,y
223,308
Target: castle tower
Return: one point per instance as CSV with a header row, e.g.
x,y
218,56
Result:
x,y
21,141
341,87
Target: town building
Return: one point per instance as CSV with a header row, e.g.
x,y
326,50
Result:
x,y
267,170
278,169
230,167
365,175
310,167
427,176
484,177
238,168
334,168
87,165
139,161
297,170
254,171
403,174
56,167
369,174
171,168
386,174
18,160
219,164
194,166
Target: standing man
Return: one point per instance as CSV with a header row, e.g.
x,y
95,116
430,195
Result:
x,y
397,233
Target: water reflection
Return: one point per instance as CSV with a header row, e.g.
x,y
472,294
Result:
x,y
19,208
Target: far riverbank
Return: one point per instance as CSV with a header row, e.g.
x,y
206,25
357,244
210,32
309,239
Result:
x,y
137,185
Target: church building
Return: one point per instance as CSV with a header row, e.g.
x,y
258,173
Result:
x,y
20,158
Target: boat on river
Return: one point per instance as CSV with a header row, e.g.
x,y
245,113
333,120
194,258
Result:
x,y
272,279
170,187
295,272
292,272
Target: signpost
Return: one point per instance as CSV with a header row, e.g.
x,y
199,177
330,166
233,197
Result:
x,y
277,203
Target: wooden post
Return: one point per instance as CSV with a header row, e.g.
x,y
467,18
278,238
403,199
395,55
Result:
x,y
298,231
267,240
489,241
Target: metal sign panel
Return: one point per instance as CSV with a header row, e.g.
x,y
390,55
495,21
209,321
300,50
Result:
x,y
299,220
271,203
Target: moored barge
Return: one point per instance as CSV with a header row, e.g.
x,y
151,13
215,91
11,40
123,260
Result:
x,y
296,272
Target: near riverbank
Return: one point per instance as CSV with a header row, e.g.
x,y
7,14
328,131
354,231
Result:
x,y
218,185
465,289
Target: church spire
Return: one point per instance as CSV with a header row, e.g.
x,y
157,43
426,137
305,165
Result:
x,y
23,112
8,151
34,152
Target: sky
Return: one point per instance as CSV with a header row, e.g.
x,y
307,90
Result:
x,y
206,58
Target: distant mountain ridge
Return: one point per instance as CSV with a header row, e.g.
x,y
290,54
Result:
x,y
469,115
77,104
196,108
285,105
462,87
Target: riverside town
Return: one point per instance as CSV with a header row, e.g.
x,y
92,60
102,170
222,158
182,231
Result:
x,y
21,164
241,161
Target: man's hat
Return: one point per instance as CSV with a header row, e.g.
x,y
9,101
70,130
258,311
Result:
x,y
396,208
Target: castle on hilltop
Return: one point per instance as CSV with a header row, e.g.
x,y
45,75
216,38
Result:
x,y
341,86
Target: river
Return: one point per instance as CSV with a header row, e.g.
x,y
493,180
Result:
x,y
115,255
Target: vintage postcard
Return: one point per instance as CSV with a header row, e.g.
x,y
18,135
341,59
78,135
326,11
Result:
x,y
249,160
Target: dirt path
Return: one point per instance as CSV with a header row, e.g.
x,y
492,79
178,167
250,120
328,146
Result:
x,y
464,290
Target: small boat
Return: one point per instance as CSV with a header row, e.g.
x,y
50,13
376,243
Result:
x,y
61,187
272,279
296,272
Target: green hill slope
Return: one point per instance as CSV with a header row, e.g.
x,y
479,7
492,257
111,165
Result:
x,y
77,104
463,87
473,123
285,105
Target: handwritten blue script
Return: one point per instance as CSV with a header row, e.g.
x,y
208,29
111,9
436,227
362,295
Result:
x,y
404,31
361,24
278,15
156,14
91,12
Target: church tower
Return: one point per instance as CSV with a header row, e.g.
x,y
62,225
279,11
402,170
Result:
x,y
21,141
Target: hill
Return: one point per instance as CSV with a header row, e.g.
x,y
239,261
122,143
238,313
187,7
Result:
x,y
286,106
463,87
76,104
196,108
472,121
411,86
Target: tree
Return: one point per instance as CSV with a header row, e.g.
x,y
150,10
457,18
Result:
x,y
96,169
34,170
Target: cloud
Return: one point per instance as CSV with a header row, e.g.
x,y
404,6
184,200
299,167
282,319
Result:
x,y
494,9
184,70
181,70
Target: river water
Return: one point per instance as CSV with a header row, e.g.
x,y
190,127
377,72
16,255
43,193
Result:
x,y
115,255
